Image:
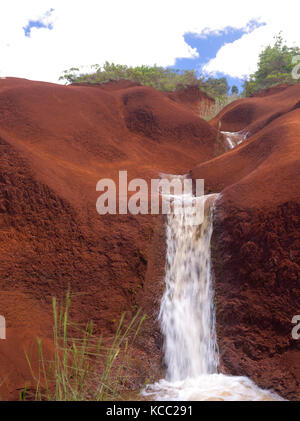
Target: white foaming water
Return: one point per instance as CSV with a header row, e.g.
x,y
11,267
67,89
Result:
x,y
186,313
187,318
235,138
209,387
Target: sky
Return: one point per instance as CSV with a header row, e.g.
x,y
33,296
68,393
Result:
x,y
41,38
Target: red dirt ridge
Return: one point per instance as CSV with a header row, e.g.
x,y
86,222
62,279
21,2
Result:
x,y
256,240
56,142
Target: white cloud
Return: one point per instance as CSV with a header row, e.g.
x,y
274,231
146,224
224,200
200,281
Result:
x,y
238,59
133,32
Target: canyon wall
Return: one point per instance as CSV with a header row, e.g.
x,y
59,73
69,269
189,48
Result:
x,y
56,142
256,239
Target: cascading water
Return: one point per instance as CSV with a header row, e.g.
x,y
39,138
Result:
x,y
235,138
187,317
187,312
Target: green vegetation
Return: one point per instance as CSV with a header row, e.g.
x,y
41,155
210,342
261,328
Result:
x,y
82,366
163,79
275,66
234,90
214,87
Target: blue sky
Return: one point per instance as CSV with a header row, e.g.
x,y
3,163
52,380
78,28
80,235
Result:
x,y
35,24
207,44
39,39
39,23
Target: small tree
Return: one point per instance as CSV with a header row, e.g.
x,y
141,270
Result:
x,y
215,87
234,90
275,66
70,75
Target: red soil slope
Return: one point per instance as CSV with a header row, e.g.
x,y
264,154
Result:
x,y
252,114
257,240
56,142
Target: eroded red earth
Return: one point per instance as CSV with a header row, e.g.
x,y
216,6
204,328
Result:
x,y
57,141
257,239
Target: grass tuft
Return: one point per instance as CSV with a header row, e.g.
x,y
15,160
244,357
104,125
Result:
x,y
82,366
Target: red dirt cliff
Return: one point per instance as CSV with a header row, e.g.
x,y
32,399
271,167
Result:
x,y
256,240
56,142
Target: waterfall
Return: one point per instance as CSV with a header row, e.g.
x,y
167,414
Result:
x,y
235,138
187,313
187,316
